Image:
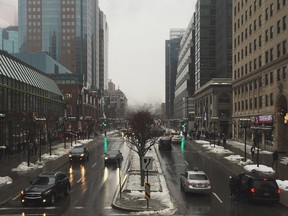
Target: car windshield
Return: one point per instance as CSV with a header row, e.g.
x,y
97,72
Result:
x,y
112,152
197,177
77,150
44,180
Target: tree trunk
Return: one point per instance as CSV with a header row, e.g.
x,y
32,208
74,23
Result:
x,y
142,171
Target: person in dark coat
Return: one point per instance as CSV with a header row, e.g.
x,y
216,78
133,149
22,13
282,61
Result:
x,y
275,158
252,150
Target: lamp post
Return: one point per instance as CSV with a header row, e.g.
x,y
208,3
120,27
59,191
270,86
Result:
x,y
214,121
245,123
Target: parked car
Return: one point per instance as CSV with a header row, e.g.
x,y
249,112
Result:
x,y
79,153
46,188
258,187
195,181
176,138
113,156
165,143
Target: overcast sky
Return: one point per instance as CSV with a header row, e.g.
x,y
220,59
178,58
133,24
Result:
x,y
137,33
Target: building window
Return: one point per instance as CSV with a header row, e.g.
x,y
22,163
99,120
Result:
x,y
278,74
266,100
266,35
255,44
271,77
250,104
271,54
284,72
260,82
255,64
260,61
284,23
266,14
266,57
271,32
260,40
255,84
266,79
255,25
278,50
260,102
271,99
278,27
255,103
271,10
284,47
278,4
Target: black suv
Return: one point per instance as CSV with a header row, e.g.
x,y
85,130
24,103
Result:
x,y
259,187
46,188
79,153
165,143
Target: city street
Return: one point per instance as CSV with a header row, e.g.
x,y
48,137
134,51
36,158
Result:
x,y
93,185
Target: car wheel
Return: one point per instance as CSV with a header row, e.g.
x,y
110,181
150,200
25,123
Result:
x,y
67,191
52,199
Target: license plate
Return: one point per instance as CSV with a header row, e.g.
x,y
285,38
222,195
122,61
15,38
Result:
x,y
266,194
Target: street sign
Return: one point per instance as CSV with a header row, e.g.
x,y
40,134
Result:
x,y
147,163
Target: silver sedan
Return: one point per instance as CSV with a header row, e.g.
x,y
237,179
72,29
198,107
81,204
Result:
x,y
196,182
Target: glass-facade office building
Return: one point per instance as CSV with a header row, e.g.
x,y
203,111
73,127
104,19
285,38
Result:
x,y
67,30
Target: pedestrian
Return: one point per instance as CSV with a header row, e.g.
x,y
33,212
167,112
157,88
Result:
x,y
224,142
275,158
35,147
252,151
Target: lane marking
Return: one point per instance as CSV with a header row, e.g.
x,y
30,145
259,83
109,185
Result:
x,y
217,197
80,180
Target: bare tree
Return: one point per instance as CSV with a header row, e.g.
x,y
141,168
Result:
x,y
142,133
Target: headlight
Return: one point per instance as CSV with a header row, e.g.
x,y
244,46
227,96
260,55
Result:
x,y
106,157
70,155
82,155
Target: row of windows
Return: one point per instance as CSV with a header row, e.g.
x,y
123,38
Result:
x,y
68,16
268,14
268,79
34,2
281,50
237,7
68,2
281,24
246,105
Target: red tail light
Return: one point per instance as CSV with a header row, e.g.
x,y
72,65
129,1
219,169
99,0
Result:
x,y
252,190
278,191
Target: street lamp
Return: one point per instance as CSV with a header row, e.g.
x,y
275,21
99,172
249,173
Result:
x,y
214,121
244,123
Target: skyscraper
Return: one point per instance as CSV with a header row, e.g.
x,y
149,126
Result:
x,y
68,30
172,47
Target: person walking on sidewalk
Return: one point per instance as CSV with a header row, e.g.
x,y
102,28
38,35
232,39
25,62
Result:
x,y
252,151
275,158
